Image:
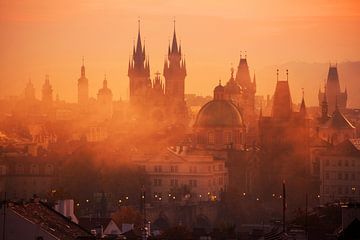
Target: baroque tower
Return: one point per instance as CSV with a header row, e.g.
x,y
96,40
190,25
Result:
x,y
83,87
47,91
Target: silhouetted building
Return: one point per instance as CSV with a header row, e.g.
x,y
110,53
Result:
x,y
219,124
152,98
104,101
47,92
333,92
29,91
83,87
339,172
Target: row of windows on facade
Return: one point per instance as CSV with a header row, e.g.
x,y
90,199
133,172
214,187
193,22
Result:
x,y
340,162
220,137
192,182
342,190
34,169
192,169
341,176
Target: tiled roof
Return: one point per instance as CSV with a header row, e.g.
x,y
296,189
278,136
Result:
x,y
338,121
49,220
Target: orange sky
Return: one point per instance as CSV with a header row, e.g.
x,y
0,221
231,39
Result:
x,y
50,37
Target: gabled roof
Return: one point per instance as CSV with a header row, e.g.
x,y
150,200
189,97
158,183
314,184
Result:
x,y
49,220
338,121
349,147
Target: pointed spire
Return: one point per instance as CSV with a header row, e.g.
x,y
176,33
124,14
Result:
x,y
277,75
105,82
83,68
174,46
138,44
303,106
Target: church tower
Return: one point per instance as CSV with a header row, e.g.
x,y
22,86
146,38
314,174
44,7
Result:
x,y
174,72
333,91
47,91
29,91
83,87
139,73
248,87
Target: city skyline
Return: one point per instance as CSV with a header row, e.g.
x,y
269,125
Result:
x,y
108,44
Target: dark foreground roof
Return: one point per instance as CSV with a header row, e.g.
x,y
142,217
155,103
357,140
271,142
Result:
x,y
49,220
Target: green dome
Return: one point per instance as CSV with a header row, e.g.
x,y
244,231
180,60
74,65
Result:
x,y
219,113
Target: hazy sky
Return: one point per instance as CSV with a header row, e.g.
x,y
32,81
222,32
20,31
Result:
x,y
50,37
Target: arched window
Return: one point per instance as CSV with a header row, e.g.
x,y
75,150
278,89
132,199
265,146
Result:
x,y
49,169
34,169
19,169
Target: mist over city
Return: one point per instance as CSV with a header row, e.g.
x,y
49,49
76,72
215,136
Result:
x,y
180,120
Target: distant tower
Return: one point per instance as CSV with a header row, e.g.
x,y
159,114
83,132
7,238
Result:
x,y
175,72
47,91
83,87
282,103
333,91
139,73
104,100
248,87
29,91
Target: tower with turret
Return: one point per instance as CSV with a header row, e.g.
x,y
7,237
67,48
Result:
x,y
47,92
139,73
334,95
175,71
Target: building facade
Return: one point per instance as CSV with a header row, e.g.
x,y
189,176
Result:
x,y
340,172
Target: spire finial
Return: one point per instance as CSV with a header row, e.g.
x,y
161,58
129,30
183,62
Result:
x,y
287,75
83,60
245,54
174,20
277,75
232,70
138,24
219,82
240,54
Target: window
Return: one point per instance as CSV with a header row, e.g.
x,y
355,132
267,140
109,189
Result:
x,y
352,176
221,181
346,163
346,176
19,169
221,167
340,176
193,183
157,182
326,190
211,138
327,162
173,168
193,169
339,163
327,175
49,170
174,182
228,137
157,168
353,163
34,169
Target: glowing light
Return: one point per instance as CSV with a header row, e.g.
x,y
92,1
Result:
x,y
87,200
127,198
244,194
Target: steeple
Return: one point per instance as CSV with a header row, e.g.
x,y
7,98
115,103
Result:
x,y
324,107
83,68
139,51
47,91
302,106
174,46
